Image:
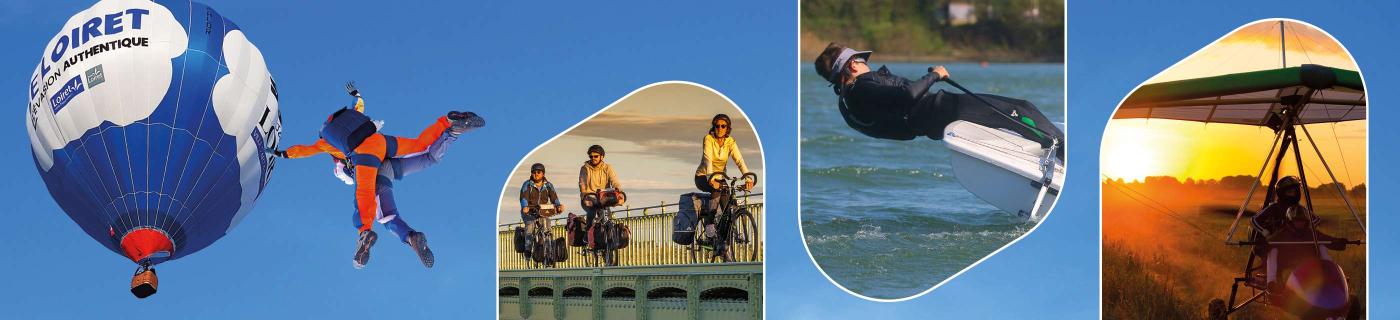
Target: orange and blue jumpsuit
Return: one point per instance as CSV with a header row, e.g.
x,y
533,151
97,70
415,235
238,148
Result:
x,y
367,158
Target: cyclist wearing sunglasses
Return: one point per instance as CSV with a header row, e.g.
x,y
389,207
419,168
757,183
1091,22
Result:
x,y
595,175
718,148
535,192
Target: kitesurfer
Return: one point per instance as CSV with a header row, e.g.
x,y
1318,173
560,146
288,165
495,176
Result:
x,y
387,158
883,105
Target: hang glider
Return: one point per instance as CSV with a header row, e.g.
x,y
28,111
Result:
x,y
1323,94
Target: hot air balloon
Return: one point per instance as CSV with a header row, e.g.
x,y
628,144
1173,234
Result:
x,y
151,125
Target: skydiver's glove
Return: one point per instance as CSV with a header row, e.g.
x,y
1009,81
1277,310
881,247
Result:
x,y
280,153
350,88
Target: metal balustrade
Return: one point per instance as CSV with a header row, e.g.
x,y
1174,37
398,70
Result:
x,y
650,245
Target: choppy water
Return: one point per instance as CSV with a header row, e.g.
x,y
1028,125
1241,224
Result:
x,y
887,219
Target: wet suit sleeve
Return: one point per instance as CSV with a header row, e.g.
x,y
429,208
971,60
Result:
x,y
889,86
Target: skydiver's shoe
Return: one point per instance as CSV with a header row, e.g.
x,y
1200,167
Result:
x,y
367,239
464,121
419,242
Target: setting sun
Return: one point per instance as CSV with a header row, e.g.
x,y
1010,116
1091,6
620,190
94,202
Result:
x,y
1138,148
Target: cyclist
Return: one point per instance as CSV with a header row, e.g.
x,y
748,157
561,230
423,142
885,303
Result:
x,y
718,148
595,175
534,192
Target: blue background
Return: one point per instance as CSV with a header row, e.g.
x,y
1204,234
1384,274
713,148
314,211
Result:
x,y
533,70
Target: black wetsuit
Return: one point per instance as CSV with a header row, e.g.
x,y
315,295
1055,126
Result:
x,y
883,105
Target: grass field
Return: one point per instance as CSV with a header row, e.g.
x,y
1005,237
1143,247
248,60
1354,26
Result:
x,y
1164,252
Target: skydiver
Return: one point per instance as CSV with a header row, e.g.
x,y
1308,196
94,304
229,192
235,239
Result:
x,y
1285,220
883,105
382,158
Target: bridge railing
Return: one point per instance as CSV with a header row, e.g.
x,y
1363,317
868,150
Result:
x,y
651,239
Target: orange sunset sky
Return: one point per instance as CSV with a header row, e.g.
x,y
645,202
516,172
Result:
x,y
1136,148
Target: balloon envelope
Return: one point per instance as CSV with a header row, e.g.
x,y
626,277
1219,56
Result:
x,y
150,124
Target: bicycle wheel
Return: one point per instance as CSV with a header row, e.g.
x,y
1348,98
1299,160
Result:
x,y
694,247
725,247
744,236
609,257
548,250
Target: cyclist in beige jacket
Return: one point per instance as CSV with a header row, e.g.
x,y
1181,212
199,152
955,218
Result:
x,y
593,176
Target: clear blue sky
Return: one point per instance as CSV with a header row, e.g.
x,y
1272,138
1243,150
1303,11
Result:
x,y
551,65
532,69
1116,45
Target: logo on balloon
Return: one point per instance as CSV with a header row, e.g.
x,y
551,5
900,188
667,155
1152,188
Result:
x,y
65,94
94,76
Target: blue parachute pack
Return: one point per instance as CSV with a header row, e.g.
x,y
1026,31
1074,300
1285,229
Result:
x,y
346,129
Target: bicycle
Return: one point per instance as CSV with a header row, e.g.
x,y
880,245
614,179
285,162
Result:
x,y
606,252
543,251
735,226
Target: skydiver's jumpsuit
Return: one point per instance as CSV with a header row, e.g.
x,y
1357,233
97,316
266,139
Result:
x,y
409,156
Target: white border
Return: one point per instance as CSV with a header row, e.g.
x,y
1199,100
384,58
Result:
x,y
1198,51
763,161
1064,75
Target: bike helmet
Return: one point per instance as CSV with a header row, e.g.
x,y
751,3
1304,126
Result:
x,y
537,167
596,149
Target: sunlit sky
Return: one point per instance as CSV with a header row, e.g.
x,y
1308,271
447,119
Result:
x,y
652,139
1137,148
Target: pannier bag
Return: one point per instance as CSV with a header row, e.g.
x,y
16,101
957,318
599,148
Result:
x,y
575,231
621,235
683,224
520,245
538,253
597,233
561,250
611,197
